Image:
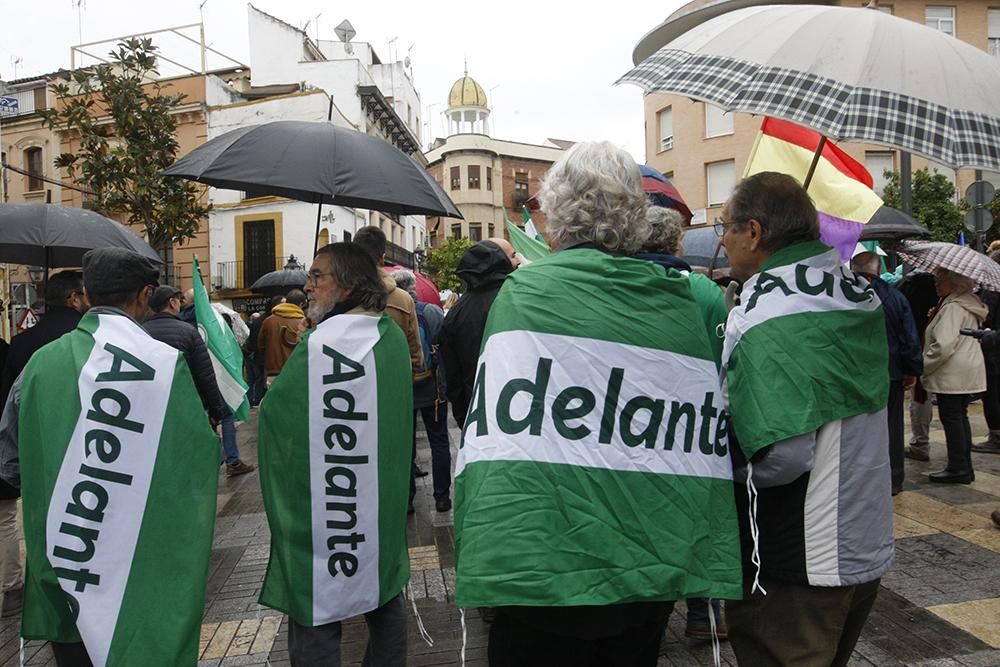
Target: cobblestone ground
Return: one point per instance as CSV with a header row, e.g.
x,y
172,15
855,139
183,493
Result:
x,y
938,607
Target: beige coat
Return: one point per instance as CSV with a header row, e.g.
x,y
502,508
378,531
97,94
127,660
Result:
x,y
399,304
953,363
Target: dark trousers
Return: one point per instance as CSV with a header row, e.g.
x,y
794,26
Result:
x,y
71,654
991,402
436,424
796,624
320,646
954,415
255,378
514,643
894,413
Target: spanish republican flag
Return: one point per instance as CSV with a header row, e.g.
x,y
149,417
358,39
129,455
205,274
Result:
x,y
841,187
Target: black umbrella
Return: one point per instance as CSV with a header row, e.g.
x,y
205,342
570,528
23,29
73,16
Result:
x,y
293,276
56,236
317,162
892,224
702,249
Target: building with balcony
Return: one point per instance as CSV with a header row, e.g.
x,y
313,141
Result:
x,y
487,178
296,78
704,150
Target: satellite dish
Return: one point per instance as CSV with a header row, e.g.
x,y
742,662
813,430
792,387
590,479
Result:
x,y
406,61
345,31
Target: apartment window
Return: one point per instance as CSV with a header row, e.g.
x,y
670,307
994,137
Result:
x,y
665,118
473,177
347,236
721,178
33,165
877,163
520,190
885,9
456,178
475,232
258,249
456,231
940,18
993,177
993,31
489,178
717,121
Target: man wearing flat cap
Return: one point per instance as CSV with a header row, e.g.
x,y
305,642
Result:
x,y
119,482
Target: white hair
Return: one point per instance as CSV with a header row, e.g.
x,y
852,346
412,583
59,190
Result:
x,y
406,281
594,195
664,231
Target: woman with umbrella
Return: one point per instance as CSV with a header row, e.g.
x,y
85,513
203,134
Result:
x,y
954,369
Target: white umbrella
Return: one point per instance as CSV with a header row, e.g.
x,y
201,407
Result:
x,y
851,74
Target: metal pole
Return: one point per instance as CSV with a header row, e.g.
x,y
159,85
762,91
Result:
x,y
980,236
906,182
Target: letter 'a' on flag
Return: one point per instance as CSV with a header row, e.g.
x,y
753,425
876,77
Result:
x,y
227,358
840,187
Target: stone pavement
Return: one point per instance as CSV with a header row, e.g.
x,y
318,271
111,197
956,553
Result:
x,y
938,607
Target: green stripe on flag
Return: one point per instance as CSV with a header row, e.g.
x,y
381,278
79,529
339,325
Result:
x,y
227,358
531,248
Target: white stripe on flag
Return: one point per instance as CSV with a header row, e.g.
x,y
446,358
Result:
x,y
232,391
343,468
683,390
99,498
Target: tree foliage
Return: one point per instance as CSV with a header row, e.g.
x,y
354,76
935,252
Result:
x,y
444,261
933,203
122,120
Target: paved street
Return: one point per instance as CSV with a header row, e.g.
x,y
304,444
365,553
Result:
x,y
938,607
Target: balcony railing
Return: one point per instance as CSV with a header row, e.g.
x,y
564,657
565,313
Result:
x,y
237,275
395,254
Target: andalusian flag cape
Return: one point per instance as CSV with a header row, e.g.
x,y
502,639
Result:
x,y
594,466
119,468
335,436
806,346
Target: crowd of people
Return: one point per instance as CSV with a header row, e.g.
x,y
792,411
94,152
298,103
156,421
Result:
x,y
632,436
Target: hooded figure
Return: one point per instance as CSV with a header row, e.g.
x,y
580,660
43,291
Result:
x,y
483,268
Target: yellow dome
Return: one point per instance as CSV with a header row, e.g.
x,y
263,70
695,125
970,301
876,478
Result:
x,y
467,93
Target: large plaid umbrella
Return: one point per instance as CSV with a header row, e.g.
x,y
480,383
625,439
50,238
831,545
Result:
x,y
851,74
962,260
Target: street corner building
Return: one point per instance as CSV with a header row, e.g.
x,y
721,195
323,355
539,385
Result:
x,y
594,467
335,435
119,485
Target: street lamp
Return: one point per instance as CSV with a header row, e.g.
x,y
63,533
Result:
x,y
419,256
36,273
293,264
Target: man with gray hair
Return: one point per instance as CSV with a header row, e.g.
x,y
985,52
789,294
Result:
x,y
578,474
813,447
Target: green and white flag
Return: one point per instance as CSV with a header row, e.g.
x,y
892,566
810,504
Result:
x,y
119,471
594,467
335,436
838,366
227,358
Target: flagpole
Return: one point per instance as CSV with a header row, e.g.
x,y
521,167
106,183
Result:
x,y
816,156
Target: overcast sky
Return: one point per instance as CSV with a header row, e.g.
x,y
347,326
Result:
x,y
548,67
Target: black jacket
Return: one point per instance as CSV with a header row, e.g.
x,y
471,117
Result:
x,y
54,323
906,357
483,267
169,329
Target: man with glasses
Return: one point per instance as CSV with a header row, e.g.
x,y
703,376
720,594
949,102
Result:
x,y
805,363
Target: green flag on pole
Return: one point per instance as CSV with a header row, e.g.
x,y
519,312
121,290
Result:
x,y
119,487
594,466
528,247
227,358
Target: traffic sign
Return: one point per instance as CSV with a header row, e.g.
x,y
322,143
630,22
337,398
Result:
x,y
979,193
9,105
978,220
28,320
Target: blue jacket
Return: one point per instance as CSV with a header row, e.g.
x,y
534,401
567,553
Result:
x,y
905,352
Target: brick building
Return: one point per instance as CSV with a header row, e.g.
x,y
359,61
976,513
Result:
x,y
487,178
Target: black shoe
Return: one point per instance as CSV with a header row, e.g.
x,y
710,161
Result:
x,y
417,472
442,504
896,490
951,477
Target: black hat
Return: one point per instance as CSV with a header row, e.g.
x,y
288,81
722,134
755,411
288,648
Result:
x,y
161,295
112,270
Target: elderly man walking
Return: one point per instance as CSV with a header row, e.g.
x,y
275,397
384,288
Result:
x,y
593,485
119,483
335,435
806,366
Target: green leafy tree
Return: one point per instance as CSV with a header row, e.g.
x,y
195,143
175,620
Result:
x,y
933,203
443,262
122,120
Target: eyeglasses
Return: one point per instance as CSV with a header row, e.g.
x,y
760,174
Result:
x,y
314,276
720,227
